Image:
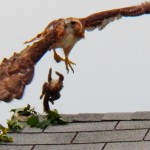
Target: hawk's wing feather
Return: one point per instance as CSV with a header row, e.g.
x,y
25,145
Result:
x,y
50,26
101,19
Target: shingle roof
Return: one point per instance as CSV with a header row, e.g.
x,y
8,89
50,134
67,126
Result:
x,y
110,131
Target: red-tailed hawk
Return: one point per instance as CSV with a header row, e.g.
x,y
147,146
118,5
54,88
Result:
x,y
18,71
71,30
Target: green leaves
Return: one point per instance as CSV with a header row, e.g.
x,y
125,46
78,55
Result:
x,y
52,118
3,136
27,111
33,121
3,129
22,114
28,116
15,126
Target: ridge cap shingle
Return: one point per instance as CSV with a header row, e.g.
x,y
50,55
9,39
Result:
x,y
111,116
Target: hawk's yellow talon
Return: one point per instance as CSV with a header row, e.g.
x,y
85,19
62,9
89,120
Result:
x,y
68,63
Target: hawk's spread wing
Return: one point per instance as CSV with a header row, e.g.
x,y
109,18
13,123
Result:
x,y
101,19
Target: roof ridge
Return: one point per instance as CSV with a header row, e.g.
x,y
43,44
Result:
x,y
120,116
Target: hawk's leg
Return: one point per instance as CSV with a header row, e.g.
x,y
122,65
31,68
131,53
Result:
x,y
68,64
57,57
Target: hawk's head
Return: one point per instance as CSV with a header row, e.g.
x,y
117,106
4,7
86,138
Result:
x,y
74,25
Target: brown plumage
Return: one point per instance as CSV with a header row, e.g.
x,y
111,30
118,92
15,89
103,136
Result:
x,y
18,71
71,30
51,89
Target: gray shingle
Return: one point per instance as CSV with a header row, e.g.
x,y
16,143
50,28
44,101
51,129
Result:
x,y
133,125
128,146
42,138
6,147
121,131
89,117
147,136
70,147
68,117
117,116
141,115
29,129
93,126
110,136
83,117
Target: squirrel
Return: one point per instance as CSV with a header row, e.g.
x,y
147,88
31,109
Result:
x,y
51,89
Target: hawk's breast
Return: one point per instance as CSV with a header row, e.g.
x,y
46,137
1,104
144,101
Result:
x,y
69,40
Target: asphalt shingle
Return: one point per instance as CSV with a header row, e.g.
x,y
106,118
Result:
x,y
42,138
112,131
83,117
93,126
147,136
117,116
141,115
110,136
133,125
27,129
70,147
128,146
6,147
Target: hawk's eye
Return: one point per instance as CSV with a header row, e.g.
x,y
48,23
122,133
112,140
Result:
x,y
73,22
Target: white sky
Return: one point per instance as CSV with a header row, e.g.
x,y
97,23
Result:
x,y
113,66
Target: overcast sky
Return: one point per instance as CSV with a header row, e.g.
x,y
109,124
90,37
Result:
x,y
112,72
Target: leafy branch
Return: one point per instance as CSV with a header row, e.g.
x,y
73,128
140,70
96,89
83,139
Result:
x,y
3,135
52,118
28,116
